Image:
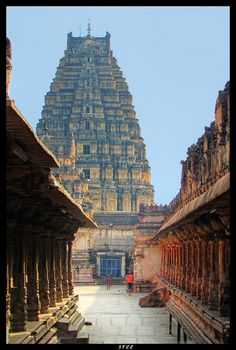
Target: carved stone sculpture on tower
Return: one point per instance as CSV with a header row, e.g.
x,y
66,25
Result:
x,y
8,67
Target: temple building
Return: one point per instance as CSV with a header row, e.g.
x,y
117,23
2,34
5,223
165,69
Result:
x,y
194,239
89,123
146,256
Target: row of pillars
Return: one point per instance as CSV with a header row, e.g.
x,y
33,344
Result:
x,y
38,275
200,267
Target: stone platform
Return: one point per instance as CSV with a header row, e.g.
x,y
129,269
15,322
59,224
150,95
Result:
x,y
61,325
118,319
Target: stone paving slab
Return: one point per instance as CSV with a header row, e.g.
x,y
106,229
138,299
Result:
x,y
128,331
118,319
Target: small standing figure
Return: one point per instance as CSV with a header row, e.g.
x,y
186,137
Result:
x,y
109,281
8,67
129,279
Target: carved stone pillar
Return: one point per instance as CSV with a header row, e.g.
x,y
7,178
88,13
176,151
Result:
x,y
172,265
205,274
183,266
193,269
64,265
176,265
179,266
58,271
33,278
223,288
168,264
164,262
43,275
213,283
199,269
9,267
18,291
188,267
52,272
8,298
70,284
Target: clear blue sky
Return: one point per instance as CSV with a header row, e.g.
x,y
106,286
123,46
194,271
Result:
x,y
175,60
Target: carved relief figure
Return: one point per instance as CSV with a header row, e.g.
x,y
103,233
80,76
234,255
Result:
x,y
8,67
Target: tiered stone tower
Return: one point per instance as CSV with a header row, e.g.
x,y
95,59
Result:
x,y
89,123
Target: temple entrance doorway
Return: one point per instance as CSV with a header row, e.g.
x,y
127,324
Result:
x,y
110,265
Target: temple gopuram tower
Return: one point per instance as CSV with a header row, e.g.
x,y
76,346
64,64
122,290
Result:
x,y
89,123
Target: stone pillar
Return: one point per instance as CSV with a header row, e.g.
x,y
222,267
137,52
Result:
x,y
43,275
33,278
223,288
163,262
166,261
205,275
70,284
169,264
123,265
188,267
199,269
8,298
164,267
183,266
176,257
193,268
9,267
98,264
58,271
64,265
213,285
178,266
52,272
18,291
172,264
175,265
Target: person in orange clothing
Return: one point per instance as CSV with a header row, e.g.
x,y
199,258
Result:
x,y
129,279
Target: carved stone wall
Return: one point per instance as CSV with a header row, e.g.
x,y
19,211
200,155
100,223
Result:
x,y
209,158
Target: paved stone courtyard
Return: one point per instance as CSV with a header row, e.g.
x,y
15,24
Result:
x,y
118,319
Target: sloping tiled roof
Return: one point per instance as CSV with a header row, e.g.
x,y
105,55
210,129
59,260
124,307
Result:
x,y
59,195
24,135
220,187
40,156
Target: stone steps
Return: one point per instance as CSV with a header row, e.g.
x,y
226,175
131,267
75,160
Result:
x,y
80,339
48,336
69,328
